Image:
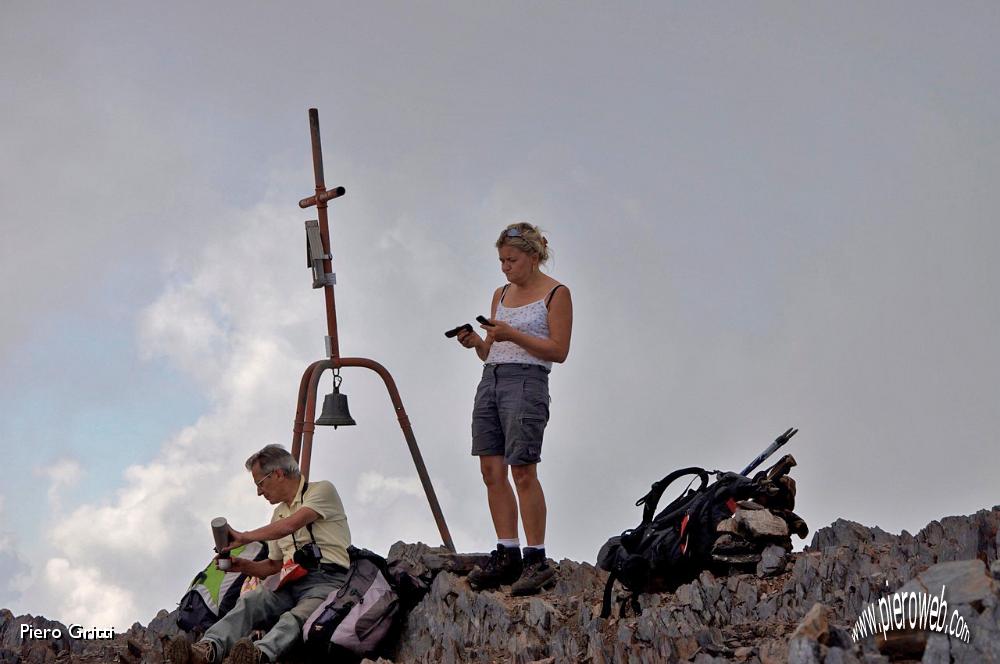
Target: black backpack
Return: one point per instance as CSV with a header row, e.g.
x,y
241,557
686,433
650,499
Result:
x,y
672,548
213,593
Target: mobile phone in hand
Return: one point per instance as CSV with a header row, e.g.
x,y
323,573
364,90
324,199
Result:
x,y
454,332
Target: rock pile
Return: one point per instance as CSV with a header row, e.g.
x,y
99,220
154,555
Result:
x,y
795,608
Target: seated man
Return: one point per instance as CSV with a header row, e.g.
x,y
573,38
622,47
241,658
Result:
x,y
307,513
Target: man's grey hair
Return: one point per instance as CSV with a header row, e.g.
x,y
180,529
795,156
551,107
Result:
x,y
272,458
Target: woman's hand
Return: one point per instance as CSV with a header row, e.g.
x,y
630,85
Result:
x,y
469,339
498,331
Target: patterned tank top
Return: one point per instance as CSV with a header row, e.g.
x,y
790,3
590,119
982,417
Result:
x,y
531,319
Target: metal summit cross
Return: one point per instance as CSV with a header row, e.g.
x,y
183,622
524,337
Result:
x,y
319,259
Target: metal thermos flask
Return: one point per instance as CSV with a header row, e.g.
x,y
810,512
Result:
x,y
220,531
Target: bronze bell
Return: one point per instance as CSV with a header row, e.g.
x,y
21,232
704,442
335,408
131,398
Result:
x,y
335,412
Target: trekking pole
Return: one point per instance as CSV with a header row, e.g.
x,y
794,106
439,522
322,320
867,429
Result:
x,y
771,449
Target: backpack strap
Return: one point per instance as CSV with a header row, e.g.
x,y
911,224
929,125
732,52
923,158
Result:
x,y
548,300
606,602
632,600
503,292
650,500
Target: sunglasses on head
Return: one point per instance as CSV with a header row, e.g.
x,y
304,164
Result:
x,y
514,232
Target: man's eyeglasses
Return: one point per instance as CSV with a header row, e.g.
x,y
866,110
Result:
x,y
261,480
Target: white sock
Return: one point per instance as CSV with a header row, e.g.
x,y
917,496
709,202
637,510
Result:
x,y
510,543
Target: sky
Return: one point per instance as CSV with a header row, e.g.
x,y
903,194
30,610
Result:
x,y
768,214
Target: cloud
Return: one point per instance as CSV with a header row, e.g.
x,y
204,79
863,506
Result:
x,y
375,488
225,328
86,598
237,314
62,474
13,566
757,262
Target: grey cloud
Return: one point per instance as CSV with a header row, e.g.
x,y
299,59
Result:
x,y
768,218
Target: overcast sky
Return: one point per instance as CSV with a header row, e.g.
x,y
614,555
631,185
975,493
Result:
x,y
769,215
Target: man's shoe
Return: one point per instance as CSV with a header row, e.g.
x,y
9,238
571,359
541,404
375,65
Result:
x,y
503,567
537,574
245,652
181,651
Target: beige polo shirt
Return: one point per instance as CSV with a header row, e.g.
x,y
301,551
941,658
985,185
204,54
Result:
x,y
330,530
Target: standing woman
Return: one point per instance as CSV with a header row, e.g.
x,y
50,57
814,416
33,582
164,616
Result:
x,y
531,319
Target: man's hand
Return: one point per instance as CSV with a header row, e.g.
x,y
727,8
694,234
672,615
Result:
x,y
236,539
238,565
261,569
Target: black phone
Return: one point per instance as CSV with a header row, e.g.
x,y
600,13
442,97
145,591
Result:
x,y
485,321
454,332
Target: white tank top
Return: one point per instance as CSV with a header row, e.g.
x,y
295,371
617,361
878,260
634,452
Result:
x,y
531,319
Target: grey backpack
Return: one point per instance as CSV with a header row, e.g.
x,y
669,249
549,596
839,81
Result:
x,y
359,616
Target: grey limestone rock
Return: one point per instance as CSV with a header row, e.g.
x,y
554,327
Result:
x,y
772,560
963,581
761,523
801,610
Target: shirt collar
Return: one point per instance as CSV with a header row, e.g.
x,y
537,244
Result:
x,y
297,500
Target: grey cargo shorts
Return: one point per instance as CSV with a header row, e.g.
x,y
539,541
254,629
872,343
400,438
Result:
x,y
510,412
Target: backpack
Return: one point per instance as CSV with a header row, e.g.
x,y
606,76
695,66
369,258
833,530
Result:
x,y
213,592
358,617
672,548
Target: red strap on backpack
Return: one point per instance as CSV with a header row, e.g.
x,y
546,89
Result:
x,y
684,524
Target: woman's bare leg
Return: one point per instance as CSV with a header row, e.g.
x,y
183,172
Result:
x,y
503,505
532,502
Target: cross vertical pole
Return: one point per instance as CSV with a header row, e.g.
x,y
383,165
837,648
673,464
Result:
x,y
319,200
304,428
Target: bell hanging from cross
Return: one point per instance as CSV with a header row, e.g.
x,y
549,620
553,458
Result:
x,y
335,412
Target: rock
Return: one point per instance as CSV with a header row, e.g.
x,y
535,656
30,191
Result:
x,y
802,650
964,581
815,626
773,651
937,650
772,561
902,645
688,595
728,526
802,612
434,559
732,548
848,533
840,656
761,523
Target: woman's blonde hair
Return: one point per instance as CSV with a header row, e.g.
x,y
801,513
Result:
x,y
527,238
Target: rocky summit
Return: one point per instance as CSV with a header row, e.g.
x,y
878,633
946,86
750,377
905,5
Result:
x,y
848,597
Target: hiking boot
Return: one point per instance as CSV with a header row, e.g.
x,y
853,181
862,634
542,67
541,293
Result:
x,y
537,574
181,651
245,652
503,567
